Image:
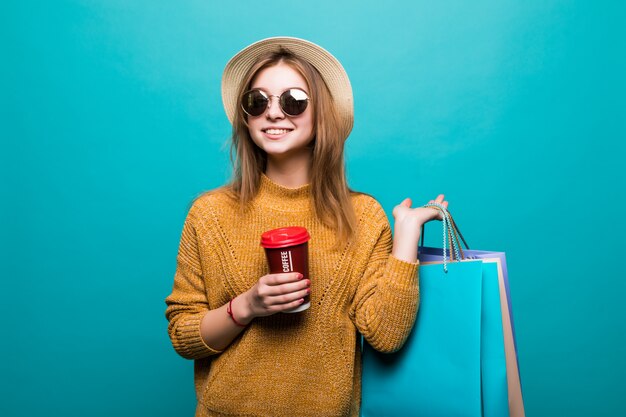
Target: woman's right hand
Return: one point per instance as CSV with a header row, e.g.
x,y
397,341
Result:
x,y
272,294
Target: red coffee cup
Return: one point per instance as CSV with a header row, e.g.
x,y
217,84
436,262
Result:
x,y
287,250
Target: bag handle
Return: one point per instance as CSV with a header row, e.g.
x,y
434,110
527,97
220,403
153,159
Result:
x,y
451,230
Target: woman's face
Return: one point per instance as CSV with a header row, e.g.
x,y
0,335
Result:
x,y
295,132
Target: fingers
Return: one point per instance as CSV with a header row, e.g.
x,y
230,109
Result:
x,y
440,200
279,301
288,306
279,279
279,286
278,292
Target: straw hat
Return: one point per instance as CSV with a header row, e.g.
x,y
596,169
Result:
x,y
328,66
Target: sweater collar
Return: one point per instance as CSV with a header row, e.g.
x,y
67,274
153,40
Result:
x,y
282,198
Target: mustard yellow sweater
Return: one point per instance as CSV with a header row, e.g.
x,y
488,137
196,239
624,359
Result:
x,y
287,365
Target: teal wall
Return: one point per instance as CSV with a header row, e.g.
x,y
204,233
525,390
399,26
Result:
x,y
112,121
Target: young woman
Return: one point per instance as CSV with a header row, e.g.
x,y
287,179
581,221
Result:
x,y
290,104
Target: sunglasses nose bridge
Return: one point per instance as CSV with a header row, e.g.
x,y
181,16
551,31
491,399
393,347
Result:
x,y
274,108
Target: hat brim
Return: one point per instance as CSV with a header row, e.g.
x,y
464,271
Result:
x,y
328,66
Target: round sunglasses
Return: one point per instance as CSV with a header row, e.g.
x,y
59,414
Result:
x,y
293,101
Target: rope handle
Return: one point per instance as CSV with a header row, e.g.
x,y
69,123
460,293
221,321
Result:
x,y
452,232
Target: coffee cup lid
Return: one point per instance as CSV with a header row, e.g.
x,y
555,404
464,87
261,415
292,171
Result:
x,y
284,236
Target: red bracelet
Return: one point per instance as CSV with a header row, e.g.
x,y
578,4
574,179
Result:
x,y
229,310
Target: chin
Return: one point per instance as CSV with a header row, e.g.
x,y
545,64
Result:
x,y
279,147
272,149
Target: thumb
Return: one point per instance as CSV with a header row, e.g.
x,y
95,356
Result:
x,y
405,203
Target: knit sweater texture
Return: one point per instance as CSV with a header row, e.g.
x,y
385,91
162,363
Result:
x,y
299,364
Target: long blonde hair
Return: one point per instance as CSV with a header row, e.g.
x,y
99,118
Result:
x,y
329,188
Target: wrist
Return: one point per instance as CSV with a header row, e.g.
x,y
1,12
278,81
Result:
x,y
405,253
407,236
241,309
405,244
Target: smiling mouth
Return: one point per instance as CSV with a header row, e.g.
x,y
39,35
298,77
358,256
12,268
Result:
x,y
277,131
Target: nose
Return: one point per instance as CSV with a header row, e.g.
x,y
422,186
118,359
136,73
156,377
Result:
x,y
274,111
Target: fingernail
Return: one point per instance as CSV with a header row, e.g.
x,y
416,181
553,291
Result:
x,y
308,290
308,282
300,276
301,300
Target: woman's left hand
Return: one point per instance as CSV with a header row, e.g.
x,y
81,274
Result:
x,y
420,215
407,226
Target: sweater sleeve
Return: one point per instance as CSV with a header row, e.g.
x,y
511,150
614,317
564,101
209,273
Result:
x,y
187,304
387,298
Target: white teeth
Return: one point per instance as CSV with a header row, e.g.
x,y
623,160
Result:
x,y
277,131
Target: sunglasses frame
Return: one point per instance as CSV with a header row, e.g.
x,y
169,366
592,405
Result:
x,y
268,97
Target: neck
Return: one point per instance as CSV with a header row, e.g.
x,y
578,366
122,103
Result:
x,y
292,171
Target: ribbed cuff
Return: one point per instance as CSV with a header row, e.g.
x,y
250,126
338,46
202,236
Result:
x,y
191,344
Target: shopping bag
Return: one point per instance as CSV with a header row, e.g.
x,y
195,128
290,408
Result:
x,y
453,363
516,404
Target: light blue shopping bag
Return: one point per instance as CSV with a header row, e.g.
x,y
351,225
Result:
x,y
453,363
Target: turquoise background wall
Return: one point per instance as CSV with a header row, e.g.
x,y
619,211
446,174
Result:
x,y
112,121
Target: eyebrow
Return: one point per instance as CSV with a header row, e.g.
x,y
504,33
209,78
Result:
x,y
288,88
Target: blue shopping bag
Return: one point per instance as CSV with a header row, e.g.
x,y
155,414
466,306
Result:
x,y
516,403
453,363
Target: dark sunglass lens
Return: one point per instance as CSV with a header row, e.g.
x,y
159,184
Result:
x,y
254,102
294,102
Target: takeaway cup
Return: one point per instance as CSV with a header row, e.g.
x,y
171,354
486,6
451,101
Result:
x,y
287,250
